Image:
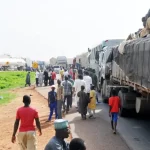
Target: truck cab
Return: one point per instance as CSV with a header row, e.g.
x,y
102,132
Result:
x,y
105,65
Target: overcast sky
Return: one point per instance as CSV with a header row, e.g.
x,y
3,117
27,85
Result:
x,y
41,29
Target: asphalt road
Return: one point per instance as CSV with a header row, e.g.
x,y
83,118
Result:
x,y
134,130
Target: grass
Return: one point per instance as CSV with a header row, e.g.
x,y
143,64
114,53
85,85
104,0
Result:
x,y
6,97
10,80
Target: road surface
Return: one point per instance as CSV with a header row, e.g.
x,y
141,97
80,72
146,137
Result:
x,y
134,131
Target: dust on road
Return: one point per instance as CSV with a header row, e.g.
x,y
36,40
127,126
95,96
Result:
x,y
7,118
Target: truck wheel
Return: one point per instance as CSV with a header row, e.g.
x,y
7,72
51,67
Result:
x,y
142,106
123,112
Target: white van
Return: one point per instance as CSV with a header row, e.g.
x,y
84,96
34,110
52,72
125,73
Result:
x,y
56,69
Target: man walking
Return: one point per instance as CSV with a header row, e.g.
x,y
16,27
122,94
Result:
x,y
88,83
59,99
52,103
28,81
26,135
83,102
67,92
77,87
45,77
72,81
114,104
61,74
37,78
53,77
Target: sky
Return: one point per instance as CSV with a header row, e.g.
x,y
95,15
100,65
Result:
x,y
41,29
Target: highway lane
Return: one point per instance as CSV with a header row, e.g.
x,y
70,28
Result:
x,y
134,130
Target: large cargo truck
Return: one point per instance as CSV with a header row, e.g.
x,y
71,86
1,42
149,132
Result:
x,y
62,61
97,58
130,76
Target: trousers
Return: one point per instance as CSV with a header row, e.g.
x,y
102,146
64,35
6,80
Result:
x,y
53,107
59,108
27,140
68,97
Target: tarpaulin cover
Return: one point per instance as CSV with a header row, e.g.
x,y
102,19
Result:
x,y
135,62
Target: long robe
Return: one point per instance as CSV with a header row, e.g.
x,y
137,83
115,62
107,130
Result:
x,y
41,78
28,78
83,102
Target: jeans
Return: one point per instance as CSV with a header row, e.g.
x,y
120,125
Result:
x,y
68,97
71,101
45,82
59,108
53,106
52,81
49,79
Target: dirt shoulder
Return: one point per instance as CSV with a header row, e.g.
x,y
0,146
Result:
x,y
7,118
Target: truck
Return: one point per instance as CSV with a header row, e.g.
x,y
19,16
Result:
x,y
62,61
129,74
104,65
11,63
96,58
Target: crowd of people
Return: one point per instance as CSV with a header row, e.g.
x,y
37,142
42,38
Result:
x,y
77,84
80,88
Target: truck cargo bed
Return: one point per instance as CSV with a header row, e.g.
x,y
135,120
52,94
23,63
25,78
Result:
x,y
133,67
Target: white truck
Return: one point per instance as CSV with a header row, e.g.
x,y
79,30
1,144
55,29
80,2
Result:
x,y
62,61
130,74
104,66
12,63
97,58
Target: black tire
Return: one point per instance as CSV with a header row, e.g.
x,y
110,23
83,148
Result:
x,y
123,112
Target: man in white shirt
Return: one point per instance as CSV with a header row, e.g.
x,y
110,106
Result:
x,y
66,73
88,82
37,77
77,87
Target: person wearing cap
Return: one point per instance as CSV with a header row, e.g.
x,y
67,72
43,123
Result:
x,y
52,103
61,132
92,104
27,134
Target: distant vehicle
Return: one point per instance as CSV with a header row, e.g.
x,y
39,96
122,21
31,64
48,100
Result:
x,y
56,69
12,63
62,61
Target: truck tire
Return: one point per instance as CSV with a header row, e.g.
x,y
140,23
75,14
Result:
x,y
142,106
123,112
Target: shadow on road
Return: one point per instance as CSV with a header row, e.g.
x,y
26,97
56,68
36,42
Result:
x,y
97,134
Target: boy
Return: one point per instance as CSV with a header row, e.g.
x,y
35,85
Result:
x,y
52,103
114,104
92,104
